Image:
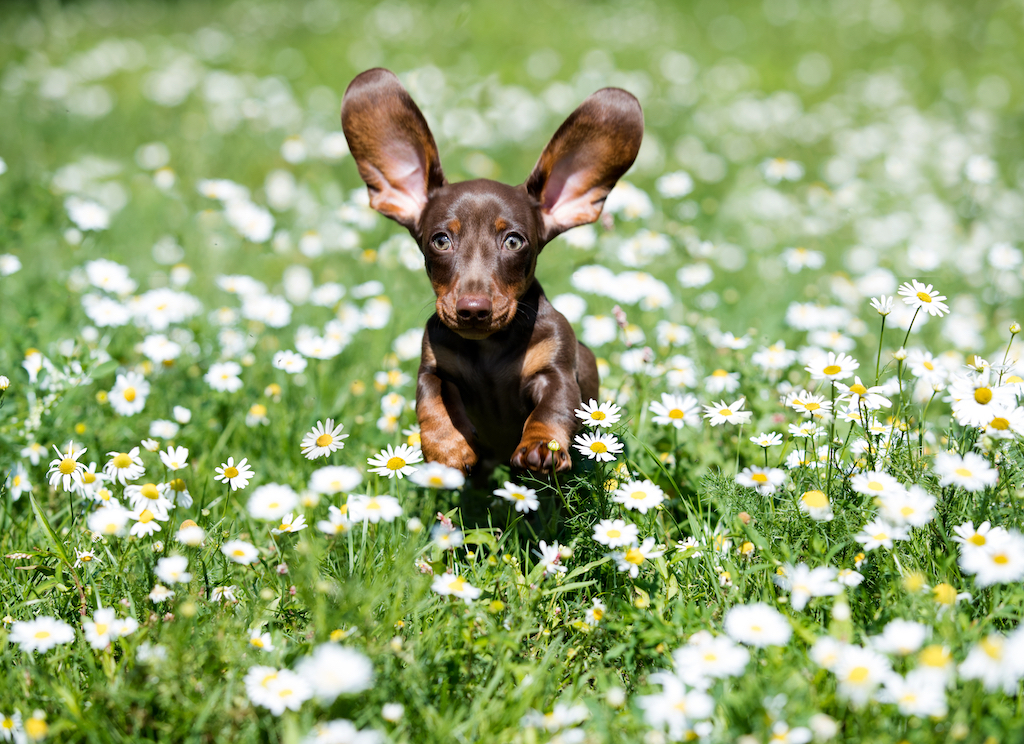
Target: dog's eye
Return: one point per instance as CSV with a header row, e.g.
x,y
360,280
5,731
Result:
x,y
441,242
513,242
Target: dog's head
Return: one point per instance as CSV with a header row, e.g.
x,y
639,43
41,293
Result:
x,y
480,238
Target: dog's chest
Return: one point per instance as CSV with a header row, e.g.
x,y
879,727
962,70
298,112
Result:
x,y
490,384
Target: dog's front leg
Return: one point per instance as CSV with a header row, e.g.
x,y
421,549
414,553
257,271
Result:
x,y
445,430
555,395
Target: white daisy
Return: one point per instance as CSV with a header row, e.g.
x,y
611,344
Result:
x,y
66,469
832,367
395,462
124,466
236,476
524,499
240,551
600,447
454,585
733,413
639,495
373,509
757,624
763,480
971,472
324,439
602,416
922,297
615,533
676,410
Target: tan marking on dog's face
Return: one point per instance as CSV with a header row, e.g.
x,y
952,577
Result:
x,y
455,226
500,224
539,356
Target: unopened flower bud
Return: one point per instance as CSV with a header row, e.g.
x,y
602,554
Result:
x,y
1014,330
900,354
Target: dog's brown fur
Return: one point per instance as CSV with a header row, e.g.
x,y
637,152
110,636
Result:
x,y
501,371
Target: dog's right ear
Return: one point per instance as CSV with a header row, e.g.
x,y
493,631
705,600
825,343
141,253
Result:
x,y
392,146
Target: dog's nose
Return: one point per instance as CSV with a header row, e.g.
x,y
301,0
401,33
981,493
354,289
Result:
x,y
473,307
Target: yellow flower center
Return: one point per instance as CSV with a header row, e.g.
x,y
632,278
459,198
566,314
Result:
x,y
832,369
759,478
945,594
258,409
983,395
598,613
36,728
458,584
150,491
373,504
231,472
324,440
1000,559
999,424
719,373
906,511
129,394
1014,379
815,499
598,416
928,366
146,516
519,495
85,557
634,556
924,297
676,413
41,634
396,463
858,675
934,655
725,412
709,656
858,389
812,406
122,461
257,642
101,628
993,646
963,472
880,536
977,539
177,485
239,553
614,533
875,486
88,477
598,447
67,466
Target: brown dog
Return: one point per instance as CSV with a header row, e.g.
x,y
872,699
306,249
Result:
x,y
501,371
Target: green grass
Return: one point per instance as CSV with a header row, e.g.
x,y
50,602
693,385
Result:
x,y
912,91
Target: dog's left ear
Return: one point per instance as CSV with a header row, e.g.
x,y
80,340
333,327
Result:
x,y
592,149
392,146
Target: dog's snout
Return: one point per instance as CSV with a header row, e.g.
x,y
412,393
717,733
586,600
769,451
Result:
x,y
473,307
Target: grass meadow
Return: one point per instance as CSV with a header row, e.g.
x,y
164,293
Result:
x,y
794,515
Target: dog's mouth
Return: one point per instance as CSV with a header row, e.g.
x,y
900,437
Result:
x,y
503,310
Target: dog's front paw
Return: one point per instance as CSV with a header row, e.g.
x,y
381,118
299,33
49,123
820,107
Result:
x,y
455,453
537,455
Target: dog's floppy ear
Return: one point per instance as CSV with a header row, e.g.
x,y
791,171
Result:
x,y
592,149
392,146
